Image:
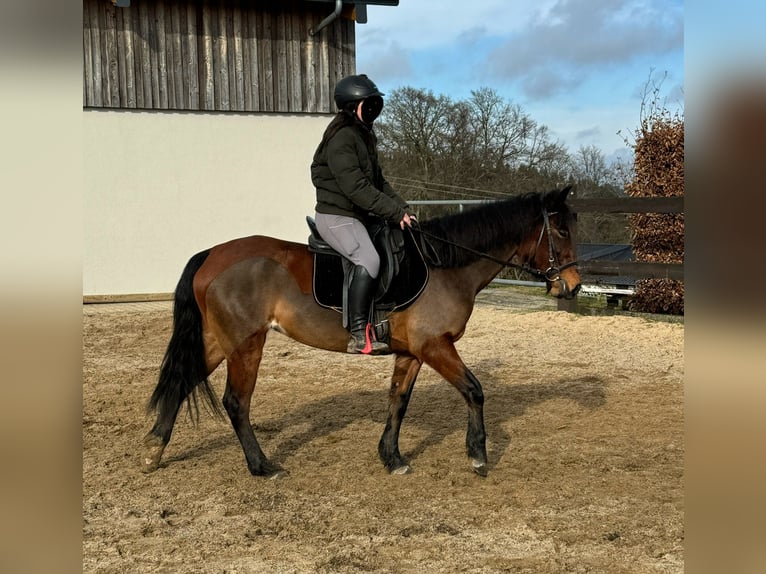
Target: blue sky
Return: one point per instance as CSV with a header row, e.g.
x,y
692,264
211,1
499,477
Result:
x,y
577,66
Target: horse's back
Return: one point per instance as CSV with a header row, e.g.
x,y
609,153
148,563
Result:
x,y
294,257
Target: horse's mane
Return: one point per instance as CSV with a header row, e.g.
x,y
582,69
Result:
x,y
484,228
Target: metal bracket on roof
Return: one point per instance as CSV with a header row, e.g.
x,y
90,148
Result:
x,y
329,19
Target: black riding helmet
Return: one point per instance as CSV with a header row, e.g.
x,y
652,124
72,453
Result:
x,y
353,89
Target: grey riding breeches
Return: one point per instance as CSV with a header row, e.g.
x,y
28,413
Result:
x,y
349,237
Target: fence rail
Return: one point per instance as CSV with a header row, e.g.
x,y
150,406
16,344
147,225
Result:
x,y
634,269
628,205
637,269
589,205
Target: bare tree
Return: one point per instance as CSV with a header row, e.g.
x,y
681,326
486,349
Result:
x,y
483,147
590,166
415,123
499,129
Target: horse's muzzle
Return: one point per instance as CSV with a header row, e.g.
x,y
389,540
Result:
x,y
572,293
560,289
559,279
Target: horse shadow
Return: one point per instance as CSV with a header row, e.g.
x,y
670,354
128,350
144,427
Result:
x,y
435,410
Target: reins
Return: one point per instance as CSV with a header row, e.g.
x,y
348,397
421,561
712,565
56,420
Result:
x,y
553,272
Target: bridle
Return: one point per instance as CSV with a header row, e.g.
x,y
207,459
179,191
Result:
x,y
551,274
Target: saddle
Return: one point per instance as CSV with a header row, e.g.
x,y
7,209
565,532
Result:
x,y
403,273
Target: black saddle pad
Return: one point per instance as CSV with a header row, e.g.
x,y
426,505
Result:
x,y
405,286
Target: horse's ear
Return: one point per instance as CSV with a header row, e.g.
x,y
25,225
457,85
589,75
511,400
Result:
x,y
563,193
556,197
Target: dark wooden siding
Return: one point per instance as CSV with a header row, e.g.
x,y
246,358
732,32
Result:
x,y
225,55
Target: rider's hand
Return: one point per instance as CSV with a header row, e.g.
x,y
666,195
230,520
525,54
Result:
x,y
407,220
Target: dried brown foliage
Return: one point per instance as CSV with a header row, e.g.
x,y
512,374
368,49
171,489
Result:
x,y
664,296
658,238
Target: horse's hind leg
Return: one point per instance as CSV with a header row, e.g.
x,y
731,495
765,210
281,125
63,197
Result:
x,y
177,380
444,359
240,384
406,370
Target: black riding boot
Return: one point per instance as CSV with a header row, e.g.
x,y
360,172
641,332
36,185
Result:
x,y
360,295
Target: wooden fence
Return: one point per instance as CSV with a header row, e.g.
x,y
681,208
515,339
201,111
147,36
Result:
x,y
225,55
606,270
636,269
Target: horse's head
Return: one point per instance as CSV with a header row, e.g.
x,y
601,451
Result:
x,y
554,252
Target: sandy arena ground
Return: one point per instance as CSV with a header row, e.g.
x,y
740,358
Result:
x,y
585,438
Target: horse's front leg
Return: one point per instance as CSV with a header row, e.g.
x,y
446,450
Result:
x,y
442,356
240,384
406,370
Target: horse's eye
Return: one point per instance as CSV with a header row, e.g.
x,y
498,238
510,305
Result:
x,y
563,233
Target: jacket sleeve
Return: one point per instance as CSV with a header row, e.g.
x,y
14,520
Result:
x,y
390,192
343,161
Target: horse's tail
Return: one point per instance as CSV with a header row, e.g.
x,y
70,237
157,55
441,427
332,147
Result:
x,y
183,368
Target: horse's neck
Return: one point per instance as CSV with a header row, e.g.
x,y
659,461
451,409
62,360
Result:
x,y
482,271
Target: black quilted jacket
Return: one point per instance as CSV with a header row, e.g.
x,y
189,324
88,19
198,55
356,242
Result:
x,y
349,181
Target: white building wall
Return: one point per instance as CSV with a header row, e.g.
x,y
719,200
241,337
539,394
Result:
x,y
161,186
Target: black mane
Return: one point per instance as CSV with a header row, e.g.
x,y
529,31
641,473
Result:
x,y
486,227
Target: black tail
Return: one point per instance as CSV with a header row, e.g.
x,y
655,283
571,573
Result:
x,y
183,367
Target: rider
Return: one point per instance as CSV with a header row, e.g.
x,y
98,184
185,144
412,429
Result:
x,y
350,190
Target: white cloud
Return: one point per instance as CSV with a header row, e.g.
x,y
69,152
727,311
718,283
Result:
x,y
574,65
391,62
575,37
428,24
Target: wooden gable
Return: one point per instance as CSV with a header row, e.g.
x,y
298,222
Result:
x,y
225,55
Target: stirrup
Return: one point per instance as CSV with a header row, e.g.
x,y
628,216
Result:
x,y
368,345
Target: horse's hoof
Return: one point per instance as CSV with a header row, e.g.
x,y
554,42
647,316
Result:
x,y
479,467
154,447
404,469
278,474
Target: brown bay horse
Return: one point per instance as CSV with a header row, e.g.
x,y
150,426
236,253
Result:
x,y
230,296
